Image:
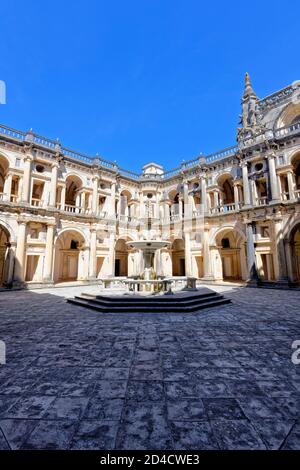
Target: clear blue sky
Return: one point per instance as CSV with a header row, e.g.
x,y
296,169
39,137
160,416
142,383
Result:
x,y
142,80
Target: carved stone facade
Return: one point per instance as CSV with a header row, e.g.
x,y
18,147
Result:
x,y
233,215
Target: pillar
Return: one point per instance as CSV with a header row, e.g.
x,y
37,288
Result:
x,y
95,200
63,198
53,185
251,261
203,193
291,186
246,188
113,200
206,255
7,187
20,253
273,179
187,254
82,201
26,179
280,262
236,196
111,254
48,274
216,198
93,255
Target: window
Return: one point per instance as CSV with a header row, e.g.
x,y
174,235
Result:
x,y
265,232
74,245
225,243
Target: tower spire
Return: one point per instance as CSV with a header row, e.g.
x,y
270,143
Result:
x,y
248,87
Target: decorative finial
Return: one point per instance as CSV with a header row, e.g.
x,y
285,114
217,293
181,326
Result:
x,y
247,79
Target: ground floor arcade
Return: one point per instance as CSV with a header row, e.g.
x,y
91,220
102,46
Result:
x,y
74,253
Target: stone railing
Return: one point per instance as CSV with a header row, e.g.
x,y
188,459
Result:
x,y
262,201
228,152
35,202
297,193
288,130
276,98
225,208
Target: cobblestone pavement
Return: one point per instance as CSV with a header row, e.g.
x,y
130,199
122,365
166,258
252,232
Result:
x,y
217,379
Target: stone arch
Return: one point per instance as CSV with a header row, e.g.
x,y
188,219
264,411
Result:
x,y
71,256
6,256
229,254
225,182
292,241
122,251
178,257
73,185
4,165
288,116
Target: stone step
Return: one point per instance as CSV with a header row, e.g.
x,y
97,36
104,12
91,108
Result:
x,y
179,307
157,300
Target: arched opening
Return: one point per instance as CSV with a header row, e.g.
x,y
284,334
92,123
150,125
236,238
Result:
x,y
124,203
5,253
175,205
295,253
231,255
289,116
225,183
121,258
73,187
296,173
178,257
3,171
70,263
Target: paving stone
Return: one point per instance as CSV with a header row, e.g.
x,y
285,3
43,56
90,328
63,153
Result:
x,y
16,431
51,435
95,435
237,435
217,378
104,408
223,408
193,435
189,409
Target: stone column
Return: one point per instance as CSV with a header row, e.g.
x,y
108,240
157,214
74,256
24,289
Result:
x,y
236,195
53,185
281,271
251,261
63,198
113,200
111,254
207,274
26,179
187,254
20,253
246,188
216,198
291,185
203,193
7,187
273,179
77,203
82,201
95,200
93,255
48,271
20,188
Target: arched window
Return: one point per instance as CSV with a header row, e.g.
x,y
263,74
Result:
x,y
74,245
225,243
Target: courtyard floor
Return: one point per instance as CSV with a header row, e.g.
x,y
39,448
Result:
x,y
218,379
